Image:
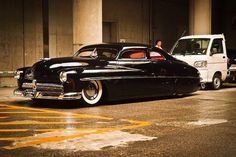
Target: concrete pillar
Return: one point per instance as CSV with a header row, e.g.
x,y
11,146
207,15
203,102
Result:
x,y
200,17
87,22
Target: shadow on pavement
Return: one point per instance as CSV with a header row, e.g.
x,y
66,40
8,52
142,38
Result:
x,y
71,104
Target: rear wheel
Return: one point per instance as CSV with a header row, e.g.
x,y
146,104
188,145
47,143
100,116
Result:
x,y
92,93
216,82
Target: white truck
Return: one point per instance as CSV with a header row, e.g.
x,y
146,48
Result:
x,y
209,55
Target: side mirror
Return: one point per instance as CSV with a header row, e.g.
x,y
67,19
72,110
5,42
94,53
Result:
x,y
213,51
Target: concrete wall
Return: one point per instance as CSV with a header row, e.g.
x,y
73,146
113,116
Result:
x,y
60,28
200,16
131,18
170,20
33,31
20,36
87,22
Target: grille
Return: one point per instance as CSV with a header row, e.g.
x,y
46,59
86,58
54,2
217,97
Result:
x,y
44,87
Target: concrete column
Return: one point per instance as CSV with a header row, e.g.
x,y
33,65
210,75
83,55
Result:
x,y
200,17
87,22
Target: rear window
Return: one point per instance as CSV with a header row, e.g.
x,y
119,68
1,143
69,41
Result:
x,y
134,54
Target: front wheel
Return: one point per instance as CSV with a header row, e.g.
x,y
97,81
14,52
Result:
x,y
216,82
92,93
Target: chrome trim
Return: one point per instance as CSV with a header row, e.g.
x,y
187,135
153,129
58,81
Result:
x,y
124,62
29,93
136,77
27,85
30,85
134,47
108,70
17,74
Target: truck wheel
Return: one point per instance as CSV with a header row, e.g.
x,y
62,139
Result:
x,y
92,93
216,82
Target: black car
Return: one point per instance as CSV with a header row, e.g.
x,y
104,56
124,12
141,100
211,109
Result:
x,y
108,71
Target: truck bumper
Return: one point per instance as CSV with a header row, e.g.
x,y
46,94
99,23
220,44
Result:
x,y
203,75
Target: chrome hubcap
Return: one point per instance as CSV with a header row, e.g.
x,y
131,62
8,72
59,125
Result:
x,y
91,91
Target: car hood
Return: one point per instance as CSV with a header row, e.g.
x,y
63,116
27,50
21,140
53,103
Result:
x,y
49,69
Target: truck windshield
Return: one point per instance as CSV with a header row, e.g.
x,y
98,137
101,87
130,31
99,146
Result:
x,y
194,46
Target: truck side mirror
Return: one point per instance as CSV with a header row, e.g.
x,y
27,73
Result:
x,y
213,51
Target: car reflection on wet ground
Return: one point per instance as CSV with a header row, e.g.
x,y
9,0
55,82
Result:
x,y
201,124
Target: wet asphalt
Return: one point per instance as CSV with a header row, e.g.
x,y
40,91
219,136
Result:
x,y
200,124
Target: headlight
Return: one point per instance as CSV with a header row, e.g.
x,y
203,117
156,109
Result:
x,y
200,64
17,74
63,76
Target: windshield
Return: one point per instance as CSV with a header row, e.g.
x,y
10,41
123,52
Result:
x,y
191,47
102,53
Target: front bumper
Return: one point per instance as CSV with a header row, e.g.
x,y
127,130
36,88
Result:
x,y
203,75
45,91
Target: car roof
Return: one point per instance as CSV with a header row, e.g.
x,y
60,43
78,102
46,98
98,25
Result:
x,y
118,46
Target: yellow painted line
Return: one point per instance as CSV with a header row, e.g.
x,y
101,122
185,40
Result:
x,y
60,113
7,108
30,141
13,130
19,112
3,117
29,122
66,129
81,116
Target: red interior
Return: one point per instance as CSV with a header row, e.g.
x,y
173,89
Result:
x,y
134,54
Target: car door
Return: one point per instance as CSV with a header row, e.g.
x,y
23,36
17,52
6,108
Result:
x,y
138,82
164,73
217,60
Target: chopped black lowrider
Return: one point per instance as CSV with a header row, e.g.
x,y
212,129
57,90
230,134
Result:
x,y
108,71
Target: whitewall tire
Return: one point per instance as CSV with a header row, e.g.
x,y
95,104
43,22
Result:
x,y
92,93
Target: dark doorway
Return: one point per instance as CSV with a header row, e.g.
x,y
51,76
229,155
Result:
x,y
109,32
224,20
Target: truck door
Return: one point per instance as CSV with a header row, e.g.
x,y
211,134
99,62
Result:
x,y
218,59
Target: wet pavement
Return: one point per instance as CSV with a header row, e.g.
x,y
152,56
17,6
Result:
x,y
201,124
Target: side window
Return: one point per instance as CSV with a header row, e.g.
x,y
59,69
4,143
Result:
x,y
217,46
133,54
156,56
107,53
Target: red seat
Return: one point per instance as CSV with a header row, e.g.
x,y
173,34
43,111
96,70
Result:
x,y
134,54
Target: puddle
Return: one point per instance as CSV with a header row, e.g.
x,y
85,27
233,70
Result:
x,y
91,142
208,122
96,141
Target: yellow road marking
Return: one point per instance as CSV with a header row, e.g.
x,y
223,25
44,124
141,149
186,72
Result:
x,y
3,117
6,108
13,130
71,116
30,141
58,112
19,112
34,141
29,122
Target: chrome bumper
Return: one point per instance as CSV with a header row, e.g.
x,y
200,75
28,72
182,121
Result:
x,y
30,93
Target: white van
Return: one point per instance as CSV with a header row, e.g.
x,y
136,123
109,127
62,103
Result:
x,y
208,54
